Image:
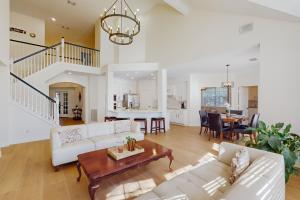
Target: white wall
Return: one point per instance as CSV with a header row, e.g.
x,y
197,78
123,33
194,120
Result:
x,y
30,25
27,127
4,72
123,86
147,89
202,34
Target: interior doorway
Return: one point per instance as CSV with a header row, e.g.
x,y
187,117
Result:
x,y
248,99
71,102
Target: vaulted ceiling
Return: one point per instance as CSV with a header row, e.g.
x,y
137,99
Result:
x,y
81,18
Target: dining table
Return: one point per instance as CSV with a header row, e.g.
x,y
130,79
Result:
x,y
232,119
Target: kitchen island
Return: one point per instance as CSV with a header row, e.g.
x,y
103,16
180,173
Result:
x,y
132,114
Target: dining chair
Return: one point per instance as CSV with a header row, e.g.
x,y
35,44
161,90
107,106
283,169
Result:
x,y
215,125
243,129
203,121
236,112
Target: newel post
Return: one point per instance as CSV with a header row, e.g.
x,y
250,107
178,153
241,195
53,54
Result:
x,y
62,49
56,111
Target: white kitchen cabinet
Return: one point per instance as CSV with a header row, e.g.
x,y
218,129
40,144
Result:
x,y
179,117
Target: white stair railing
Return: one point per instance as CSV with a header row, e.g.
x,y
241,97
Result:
x,y
60,52
20,49
27,96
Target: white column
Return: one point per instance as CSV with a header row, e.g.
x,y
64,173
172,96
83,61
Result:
x,y
4,74
109,91
162,94
62,49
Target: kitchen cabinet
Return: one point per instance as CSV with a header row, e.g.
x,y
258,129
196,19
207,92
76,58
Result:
x,y
179,117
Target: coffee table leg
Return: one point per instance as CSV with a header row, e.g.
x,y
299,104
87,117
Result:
x,y
171,158
92,190
79,171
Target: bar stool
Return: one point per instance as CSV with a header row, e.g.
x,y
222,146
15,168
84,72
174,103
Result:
x,y
144,120
109,119
157,128
121,118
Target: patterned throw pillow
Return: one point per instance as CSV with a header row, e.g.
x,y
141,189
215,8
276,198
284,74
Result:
x,y
239,164
122,126
69,136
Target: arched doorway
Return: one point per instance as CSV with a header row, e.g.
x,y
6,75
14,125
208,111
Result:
x,y
71,102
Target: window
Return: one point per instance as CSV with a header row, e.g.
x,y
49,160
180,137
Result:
x,y
215,96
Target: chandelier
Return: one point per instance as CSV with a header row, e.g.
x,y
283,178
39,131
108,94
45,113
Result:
x,y
227,83
121,23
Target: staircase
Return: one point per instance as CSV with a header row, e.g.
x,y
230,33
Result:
x,y
27,96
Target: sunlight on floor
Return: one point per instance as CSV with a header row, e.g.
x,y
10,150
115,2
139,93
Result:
x,y
131,190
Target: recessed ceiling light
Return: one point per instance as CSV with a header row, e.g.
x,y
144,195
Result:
x,y
53,19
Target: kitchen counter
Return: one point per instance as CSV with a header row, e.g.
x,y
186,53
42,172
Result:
x,y
132,114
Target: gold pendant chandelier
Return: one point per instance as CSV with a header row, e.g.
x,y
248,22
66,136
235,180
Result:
x,y
121,23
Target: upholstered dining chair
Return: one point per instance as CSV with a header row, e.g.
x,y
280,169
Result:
x,y
244,129
236,112
215,125
203,121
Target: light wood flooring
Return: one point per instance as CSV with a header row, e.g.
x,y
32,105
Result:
x,y
26,172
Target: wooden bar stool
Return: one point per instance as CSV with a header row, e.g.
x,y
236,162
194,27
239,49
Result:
x,y
157,128
144,120
122,118
109,119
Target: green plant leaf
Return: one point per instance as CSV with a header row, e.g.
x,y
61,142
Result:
x,y
262,125
289,157
279,125
287,129
275,143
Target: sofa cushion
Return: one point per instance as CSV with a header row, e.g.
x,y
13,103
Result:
x,y
208,180
71,134
239,164
213,173
68,152
106,141
148,196
100,128
122,126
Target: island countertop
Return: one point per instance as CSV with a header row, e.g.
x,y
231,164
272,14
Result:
x,y
135,111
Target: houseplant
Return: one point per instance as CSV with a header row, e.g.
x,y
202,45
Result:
x,y
130,143
278,138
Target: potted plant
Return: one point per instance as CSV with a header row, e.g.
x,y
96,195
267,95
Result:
x,y
278,139
130,143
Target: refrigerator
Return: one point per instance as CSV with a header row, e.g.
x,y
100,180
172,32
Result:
x,y
131,101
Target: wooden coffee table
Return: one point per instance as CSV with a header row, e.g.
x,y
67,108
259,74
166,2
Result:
x,y
98,165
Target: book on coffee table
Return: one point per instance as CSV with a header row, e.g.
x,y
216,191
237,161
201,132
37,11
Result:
x,y
115,154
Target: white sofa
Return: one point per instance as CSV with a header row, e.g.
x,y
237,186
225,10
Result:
x,y
94,136
262,180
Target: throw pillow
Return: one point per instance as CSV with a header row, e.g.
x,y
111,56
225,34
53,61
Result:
x,y
122,126
239,164
70,135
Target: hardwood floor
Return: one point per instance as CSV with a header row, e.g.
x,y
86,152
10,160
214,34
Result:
x,y
26,172
64,121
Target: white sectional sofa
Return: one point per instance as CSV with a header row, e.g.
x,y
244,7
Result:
x,y
262,180
90,137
